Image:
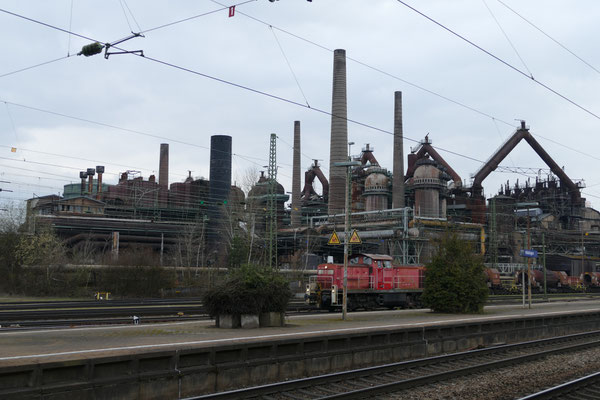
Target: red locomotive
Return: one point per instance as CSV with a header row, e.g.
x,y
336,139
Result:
x,y
373,281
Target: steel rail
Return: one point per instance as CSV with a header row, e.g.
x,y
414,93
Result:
x,y
27,305
583,388
308,385
110,312
73,323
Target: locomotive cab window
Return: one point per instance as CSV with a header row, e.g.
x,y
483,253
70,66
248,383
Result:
x,y
367,260
354,260
387,264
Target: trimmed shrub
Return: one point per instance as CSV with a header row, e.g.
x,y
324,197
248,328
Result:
x,y
455,282
248,290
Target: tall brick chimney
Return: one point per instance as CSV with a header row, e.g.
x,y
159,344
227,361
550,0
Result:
x,y
163,176
338,149
398,180
296,212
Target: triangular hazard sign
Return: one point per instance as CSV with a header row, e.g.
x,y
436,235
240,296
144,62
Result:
x,y
355,239
334,239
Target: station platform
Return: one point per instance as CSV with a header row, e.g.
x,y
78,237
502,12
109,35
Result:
x,y
81,343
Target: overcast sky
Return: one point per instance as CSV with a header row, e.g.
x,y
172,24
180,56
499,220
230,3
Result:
x,y
80,112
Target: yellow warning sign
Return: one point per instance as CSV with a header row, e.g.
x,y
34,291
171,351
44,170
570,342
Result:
x,y
355,239
334,239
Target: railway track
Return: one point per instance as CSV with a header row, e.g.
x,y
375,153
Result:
x,y
77,313
74,313
392,378
585,388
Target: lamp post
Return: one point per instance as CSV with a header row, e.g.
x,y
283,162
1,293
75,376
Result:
x,y
349,164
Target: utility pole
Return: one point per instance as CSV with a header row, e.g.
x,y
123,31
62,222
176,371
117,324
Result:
x,y
349,164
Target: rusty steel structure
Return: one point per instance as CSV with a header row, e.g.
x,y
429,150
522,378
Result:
x,y
423,150
523,134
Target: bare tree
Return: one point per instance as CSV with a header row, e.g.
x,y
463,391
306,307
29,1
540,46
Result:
x,y
12,216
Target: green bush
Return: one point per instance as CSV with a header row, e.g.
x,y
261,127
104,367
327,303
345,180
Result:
x,y
248,290
454,282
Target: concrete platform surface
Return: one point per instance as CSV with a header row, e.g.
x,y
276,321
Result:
x,y
26,347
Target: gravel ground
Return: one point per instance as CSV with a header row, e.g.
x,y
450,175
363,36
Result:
x,y
511,382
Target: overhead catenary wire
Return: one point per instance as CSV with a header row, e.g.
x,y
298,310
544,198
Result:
x,y
378,70
247,158
8,173
251,89
70,28
289,66
34,66
548,36
195,17
256,91
125,15
507,38
65,177
12,123
506,63
460,104
97,162
132,16
69,178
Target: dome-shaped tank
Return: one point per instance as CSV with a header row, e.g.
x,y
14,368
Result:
x,y
428,181
236,195
258,198
427,169
376,189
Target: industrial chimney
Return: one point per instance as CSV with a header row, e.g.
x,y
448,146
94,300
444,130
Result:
x,y
83,177
220,168
398,180
90,173
163,175
219,184
296,213
338,148
100,171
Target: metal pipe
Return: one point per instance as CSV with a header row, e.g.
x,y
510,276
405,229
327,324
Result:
x,y
388,211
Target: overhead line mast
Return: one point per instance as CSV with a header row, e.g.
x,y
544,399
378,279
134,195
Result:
x,y
272,203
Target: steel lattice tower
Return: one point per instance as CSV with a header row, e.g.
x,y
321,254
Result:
x,y
272,203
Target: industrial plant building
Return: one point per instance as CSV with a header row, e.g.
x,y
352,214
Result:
x,y
398,210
